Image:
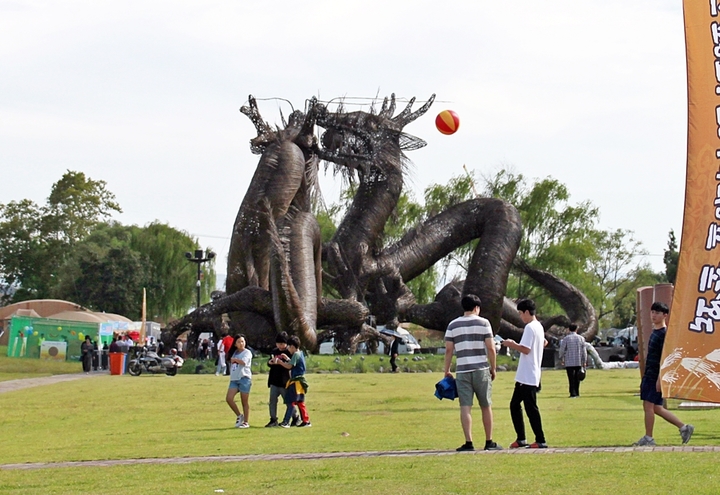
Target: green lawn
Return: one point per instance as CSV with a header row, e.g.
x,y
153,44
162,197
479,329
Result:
x,y
121,417
13,368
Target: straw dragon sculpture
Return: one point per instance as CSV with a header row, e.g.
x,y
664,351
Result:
x,y
277,265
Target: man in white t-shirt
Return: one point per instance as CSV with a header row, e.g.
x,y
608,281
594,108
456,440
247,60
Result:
x,y
527,378
470,337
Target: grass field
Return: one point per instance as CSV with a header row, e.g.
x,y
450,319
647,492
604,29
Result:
x,y
123,417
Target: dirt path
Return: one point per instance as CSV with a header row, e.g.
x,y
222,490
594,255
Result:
x,y
338,455
12,385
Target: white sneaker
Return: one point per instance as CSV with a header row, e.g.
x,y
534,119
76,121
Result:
x,y
645,441
686,432
240,421
244,425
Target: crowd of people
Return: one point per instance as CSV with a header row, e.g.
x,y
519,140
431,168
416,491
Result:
x,y
470,339
286,380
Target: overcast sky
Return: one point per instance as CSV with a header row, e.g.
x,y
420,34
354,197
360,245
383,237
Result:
x,y
145,96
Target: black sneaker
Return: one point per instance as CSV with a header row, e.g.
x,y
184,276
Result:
x,y
492,446
284,425
296,421
465,447
272,423
305,424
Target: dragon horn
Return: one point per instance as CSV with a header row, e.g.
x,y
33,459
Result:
x,y
254,115
386,111
406,116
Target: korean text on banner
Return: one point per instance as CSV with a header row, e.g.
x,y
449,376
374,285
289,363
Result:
x,y
690,368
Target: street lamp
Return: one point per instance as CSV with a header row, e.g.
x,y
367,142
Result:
x,y
199,258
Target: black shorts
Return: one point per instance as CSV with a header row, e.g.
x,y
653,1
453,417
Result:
x,y
648,391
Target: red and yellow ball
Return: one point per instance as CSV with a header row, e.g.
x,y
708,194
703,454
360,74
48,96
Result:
x,y
447,122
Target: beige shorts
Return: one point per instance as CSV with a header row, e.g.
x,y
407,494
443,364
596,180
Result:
x,y
474,383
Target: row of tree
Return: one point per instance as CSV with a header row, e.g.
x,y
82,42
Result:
x,y
69,249
559,237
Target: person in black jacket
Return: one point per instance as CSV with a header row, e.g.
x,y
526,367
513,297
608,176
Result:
x,y
394,353
277,377
87,354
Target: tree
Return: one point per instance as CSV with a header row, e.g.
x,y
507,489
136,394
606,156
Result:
x,y
37,239
670,258
564,239
624,300
108,270
104,273
26,259
77,204
617,275
171,279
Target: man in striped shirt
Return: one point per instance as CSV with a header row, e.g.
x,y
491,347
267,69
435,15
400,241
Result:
x,y
470,337
573,355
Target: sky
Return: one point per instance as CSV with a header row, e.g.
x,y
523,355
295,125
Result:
x,y
144,95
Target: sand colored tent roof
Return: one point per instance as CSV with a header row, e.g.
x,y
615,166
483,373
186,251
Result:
x,y
113,317
30,313
86,316
42,307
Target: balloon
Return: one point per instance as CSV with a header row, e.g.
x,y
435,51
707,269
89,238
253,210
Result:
x,y
447,122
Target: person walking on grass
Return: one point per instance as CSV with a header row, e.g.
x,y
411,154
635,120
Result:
x,y
394,347
240,380
650,392
527,377
221,364
573,355
86,349
229,349
470,337
297,385
278,377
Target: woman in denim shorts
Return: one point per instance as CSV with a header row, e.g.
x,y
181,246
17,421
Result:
x,y
240,380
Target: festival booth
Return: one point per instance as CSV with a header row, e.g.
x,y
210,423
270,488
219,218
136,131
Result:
x,y
61,336
48,338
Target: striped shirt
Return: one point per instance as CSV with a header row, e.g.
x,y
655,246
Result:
x,y
654,353
468,334
573,350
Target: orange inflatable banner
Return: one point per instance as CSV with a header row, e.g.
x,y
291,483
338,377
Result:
x,y
690,368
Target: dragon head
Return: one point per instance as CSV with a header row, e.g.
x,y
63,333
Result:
x,y
356,139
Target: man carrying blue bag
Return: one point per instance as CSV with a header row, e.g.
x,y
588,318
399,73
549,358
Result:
x,y
446,388
470,337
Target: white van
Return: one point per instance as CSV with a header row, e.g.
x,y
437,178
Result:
x,y
408,345
327,347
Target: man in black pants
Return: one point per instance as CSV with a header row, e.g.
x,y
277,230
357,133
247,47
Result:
x,y
527,378
394,353
573,355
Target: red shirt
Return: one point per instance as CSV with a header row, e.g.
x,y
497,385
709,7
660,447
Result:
x,y
227,342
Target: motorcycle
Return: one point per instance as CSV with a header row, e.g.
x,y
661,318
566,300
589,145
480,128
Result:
x,y
149,362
